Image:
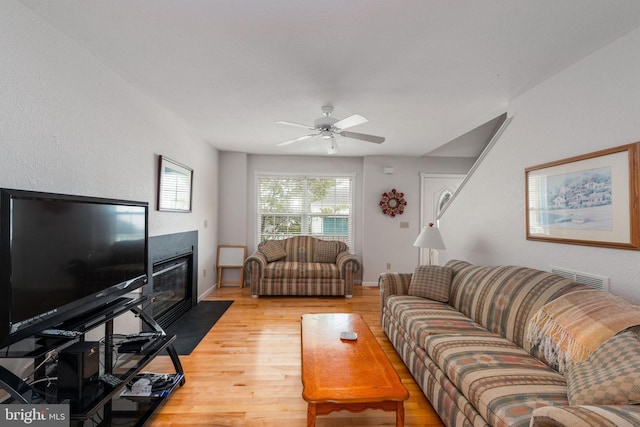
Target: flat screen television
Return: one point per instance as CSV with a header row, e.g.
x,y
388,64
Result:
x,y
64,255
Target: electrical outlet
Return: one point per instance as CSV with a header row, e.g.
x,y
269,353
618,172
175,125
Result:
x,y
204,273
388,266
404,224
206,223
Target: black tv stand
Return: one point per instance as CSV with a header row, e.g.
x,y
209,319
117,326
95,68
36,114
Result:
x,y
103,402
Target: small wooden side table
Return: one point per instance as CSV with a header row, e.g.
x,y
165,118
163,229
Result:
x,y
231,256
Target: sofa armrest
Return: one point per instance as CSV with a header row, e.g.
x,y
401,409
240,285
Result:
x,y
585,415
347,263
393,284
254,265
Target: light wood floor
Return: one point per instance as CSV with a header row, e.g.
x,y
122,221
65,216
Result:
x,y
246,371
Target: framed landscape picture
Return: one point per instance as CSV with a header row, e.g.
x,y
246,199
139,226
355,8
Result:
x,y
586,200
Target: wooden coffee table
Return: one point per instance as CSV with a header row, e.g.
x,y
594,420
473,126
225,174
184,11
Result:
x,y
346,375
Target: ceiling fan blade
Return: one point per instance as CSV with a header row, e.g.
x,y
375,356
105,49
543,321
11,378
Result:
x,y
299,125
291,141
332,146
364,137
350,121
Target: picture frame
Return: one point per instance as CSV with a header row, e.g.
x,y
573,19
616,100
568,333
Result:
x,y
175,183
591,200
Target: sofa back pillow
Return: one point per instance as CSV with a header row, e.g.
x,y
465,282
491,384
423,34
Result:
x,y
504,298
273,250
325,251
432,282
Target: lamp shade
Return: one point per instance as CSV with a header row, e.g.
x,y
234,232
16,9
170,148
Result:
x,y
430,238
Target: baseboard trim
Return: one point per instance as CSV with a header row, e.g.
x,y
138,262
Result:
x,y
206,292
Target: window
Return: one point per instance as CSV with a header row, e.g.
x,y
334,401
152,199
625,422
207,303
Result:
x,y
318,206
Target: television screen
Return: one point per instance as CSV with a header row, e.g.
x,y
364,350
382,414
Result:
x,y
61,255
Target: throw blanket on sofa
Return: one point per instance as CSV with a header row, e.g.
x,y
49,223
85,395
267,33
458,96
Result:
x,y
571,327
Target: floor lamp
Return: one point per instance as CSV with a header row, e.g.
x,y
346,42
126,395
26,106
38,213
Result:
x,y
429,238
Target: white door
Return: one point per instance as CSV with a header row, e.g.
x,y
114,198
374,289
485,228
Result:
x,y
436,191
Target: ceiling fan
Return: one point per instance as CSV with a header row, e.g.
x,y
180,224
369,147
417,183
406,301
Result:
x,y
328,126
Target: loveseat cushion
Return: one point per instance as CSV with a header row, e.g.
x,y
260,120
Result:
x,y
301,270
610,376
432,282
272,250
502,381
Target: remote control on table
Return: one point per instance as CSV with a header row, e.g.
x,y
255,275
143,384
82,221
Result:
x,y
351,336
111,380
59,333
144,335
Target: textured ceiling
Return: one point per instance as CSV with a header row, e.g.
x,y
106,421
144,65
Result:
x,y
424,72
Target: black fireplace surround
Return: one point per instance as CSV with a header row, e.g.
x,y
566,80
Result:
x,y
171,255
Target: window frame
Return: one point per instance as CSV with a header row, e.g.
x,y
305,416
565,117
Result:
x,y
307,219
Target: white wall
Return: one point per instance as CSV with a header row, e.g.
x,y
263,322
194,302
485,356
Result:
x,y
383,240
70,125
593,105
232,199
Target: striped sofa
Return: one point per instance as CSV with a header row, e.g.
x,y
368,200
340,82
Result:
x,y
468,351
301,265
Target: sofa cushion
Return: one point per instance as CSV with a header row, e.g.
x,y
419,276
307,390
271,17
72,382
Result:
x,y
273,250
431,281
610,376
422,318
325,251
502,381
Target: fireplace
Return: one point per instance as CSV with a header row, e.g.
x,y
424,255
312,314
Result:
x,y
173,282
171,289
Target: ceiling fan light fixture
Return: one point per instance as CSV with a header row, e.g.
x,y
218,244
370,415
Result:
x,y
327,134
332,146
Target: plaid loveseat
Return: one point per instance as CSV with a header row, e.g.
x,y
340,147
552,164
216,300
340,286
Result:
x,y
301,265
469,350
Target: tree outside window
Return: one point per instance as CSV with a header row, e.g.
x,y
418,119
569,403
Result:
x,y
304,205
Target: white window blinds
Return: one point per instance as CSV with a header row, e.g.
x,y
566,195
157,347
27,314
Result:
x,y
319,206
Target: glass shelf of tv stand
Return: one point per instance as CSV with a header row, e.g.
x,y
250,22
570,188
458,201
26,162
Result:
x,y
101,404
100,395
101,401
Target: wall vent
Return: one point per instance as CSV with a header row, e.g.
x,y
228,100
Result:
x,y
592,280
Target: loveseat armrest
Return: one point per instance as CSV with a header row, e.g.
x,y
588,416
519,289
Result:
x,y
586,415
254,265
347,263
